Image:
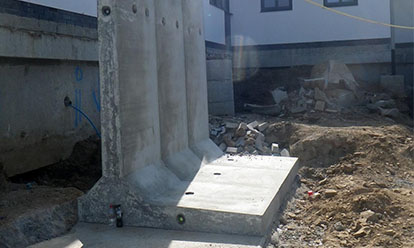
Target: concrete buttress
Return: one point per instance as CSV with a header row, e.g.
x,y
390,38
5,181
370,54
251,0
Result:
x,y
157,159
196,82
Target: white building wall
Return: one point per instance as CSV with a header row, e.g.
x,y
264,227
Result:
x,y
306,23
214,23
403,15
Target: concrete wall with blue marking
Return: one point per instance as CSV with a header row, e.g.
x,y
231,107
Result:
x,y
45,57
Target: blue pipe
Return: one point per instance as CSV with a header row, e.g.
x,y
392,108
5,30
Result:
x,y
90,121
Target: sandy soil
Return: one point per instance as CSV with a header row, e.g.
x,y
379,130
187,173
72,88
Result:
x,y
361,173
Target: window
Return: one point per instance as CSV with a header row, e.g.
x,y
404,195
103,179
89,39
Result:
x,y
276,5
221,4
339,3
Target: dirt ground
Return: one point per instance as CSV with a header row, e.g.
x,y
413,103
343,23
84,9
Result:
x,y
81,170
361,173
359,166
42,204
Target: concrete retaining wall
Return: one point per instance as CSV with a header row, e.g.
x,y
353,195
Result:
x,y
36,128
349,52
42,60
220,86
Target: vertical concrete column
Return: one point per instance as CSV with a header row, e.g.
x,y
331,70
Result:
x,y
172,90
129,91
196,82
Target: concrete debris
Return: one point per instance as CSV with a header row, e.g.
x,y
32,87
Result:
x,y
313,83
336,75
231,125
253,125
279,95
263,126
367,215
233,150
218,131
241,130
285,153
320,95
333,89
384,105
320,106
343,98
227,138
299,108
275,148
246,139
332,111
260,141
240,142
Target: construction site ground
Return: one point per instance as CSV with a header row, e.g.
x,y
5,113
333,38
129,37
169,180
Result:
x,y
355,187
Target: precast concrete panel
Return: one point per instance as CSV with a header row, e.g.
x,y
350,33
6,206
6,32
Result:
x,y
196,81
129,89
172,89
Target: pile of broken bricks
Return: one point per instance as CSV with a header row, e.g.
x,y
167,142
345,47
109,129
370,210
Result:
x,y
332,88
311,98
245,139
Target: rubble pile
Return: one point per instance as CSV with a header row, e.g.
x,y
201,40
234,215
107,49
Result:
x,y
332,88
235,136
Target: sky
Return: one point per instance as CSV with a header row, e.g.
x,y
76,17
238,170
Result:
x,y
86,7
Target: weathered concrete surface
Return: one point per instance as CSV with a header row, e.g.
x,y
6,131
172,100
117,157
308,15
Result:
x,y
219,195
236,195
31,38
31,216
129,87
172,90
196,82
220,86
33,118
92,235
255,57
41,62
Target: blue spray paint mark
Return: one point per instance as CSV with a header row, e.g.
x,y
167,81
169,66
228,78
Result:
x,y
78,74
78,96
97,97
78,104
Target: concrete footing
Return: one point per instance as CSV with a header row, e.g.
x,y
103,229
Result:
x,y
103,236
158,161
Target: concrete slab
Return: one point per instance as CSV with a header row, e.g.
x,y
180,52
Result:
x,y
93,235
235,195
